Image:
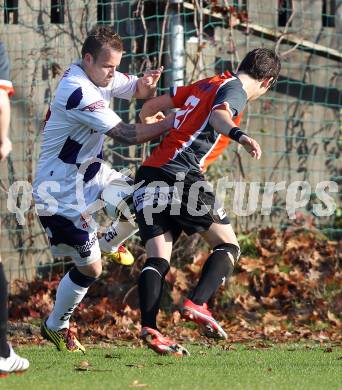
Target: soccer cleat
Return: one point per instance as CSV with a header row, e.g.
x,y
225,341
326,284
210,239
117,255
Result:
x,y
13,364
203,317
122,256
63,339
160,344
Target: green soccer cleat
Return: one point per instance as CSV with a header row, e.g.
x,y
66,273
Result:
x,y
64,339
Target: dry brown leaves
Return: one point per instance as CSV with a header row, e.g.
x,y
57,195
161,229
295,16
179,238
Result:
x,y
291,291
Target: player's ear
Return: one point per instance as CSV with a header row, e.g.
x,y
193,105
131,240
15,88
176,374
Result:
x,y
267,83
88,58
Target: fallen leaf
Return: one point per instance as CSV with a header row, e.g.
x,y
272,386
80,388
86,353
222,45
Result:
x,y
137,384
110,356
83,365
135,365
229,347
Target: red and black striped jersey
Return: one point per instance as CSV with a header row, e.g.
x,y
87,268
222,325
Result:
x,y
193,143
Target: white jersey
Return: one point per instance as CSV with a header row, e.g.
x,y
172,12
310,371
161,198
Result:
x,y
73,135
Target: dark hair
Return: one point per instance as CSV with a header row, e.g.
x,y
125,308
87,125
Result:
x,y
99,36
261,64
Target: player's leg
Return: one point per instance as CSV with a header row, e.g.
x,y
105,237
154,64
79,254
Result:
x,y
158,236
200,213
67,239
151,283
151,280
111,243
9,360
220,263
71,290
218,267
4,347
118,199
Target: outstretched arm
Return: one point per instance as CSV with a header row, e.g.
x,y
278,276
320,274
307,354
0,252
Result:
x,y
222,122
133,134
5,113
155,106
147,84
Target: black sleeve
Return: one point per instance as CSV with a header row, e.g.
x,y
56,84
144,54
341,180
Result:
x,y
4,64
231,97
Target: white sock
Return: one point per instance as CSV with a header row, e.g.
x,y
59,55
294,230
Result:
x,y
69,295
115,235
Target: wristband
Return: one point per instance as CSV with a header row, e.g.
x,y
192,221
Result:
x,y
236,133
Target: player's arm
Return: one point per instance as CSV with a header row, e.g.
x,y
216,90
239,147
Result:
x,y
223,123
133,134
147,84
153,109
6,89
5,114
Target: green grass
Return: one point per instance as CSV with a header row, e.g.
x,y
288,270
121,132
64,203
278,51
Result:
x,y
294,366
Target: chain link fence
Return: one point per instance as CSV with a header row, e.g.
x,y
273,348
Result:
x,y
298,123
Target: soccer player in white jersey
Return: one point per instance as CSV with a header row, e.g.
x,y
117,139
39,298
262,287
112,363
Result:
x,y
76,125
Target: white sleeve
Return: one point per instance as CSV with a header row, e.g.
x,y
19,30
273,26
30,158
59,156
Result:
x,y
90,110
124,86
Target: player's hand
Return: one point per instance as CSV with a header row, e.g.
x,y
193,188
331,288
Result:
x,y
159,116
251,146
170,118
152,76
5,148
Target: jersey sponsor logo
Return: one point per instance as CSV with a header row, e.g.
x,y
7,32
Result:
x,y
152,196
86,247
100,104
221,213
66,316
111,235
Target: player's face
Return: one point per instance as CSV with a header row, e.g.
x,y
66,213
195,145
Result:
x,y
101,71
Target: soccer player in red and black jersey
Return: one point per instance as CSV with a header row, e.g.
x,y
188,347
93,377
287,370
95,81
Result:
x,y
173,195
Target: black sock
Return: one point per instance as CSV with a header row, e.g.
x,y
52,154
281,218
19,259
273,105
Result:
x,y
151,288
215,270
80,279
4,348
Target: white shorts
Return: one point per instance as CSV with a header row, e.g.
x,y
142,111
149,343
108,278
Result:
x,y
71,235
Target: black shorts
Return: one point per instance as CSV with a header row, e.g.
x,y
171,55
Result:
x,y
165,202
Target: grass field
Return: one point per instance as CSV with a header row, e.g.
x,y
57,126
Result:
x,y
290,366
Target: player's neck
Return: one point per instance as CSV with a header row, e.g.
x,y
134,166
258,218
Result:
x,y
84,68
248,84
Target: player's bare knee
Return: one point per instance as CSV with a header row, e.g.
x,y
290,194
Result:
x,y
93,270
